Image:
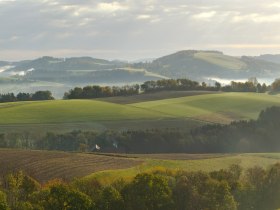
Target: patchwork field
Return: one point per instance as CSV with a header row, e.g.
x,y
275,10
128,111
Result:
x,y
216,108
161,110
46,165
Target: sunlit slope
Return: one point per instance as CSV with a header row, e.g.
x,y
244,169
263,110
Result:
x,y
223,107
219,59
220,108
194,163
67,111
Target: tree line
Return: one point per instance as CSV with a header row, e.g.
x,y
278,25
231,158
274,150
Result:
x,y
261,135
226,189
96,91
38,95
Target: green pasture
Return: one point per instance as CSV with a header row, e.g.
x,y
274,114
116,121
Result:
x,y
221,60
208,164
66,111
219,108
215,108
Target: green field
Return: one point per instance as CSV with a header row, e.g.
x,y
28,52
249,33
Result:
x,y
193,163
183,111
218,108
222,60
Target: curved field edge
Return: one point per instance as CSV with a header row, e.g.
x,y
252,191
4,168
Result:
x,y
217,108
47,165
155,96
67,111
207,165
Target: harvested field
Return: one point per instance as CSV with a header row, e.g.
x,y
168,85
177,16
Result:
x,y
47,165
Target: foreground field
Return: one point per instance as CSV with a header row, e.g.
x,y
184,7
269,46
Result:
x,y
206,162
183,112
46,165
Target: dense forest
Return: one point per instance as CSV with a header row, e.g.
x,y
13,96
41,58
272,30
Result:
x,y
261,135
226,189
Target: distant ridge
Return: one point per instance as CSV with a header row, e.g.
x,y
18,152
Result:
x,y
197,64
269,58
50,73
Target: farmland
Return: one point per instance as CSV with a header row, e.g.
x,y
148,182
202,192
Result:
x,y
181,112
46,165
195,162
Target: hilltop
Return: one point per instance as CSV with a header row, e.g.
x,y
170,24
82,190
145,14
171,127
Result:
x,y
269,58
194,64
62,74
138,112
211,64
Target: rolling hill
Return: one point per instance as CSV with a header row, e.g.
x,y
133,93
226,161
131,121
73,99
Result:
x,y
211,64
269,58
194,64
47,165
78,71
81,71
186,111
218,108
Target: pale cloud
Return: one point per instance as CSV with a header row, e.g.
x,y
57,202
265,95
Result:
x,y
205,15
143,17
111,7
63,35
273,5
246,46
14,38
6,1
257,18
130,29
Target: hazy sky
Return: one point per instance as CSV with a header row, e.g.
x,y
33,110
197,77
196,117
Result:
x,y
132,29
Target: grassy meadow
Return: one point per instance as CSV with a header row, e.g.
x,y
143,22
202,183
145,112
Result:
x,y
221,60
194,163
182,112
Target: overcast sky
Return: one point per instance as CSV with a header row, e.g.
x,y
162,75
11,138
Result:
x,y
134,29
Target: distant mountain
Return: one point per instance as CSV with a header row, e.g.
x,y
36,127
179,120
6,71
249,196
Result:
x,y
76,71
269,58
63,64
143,60
193,64
4,63
201,64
